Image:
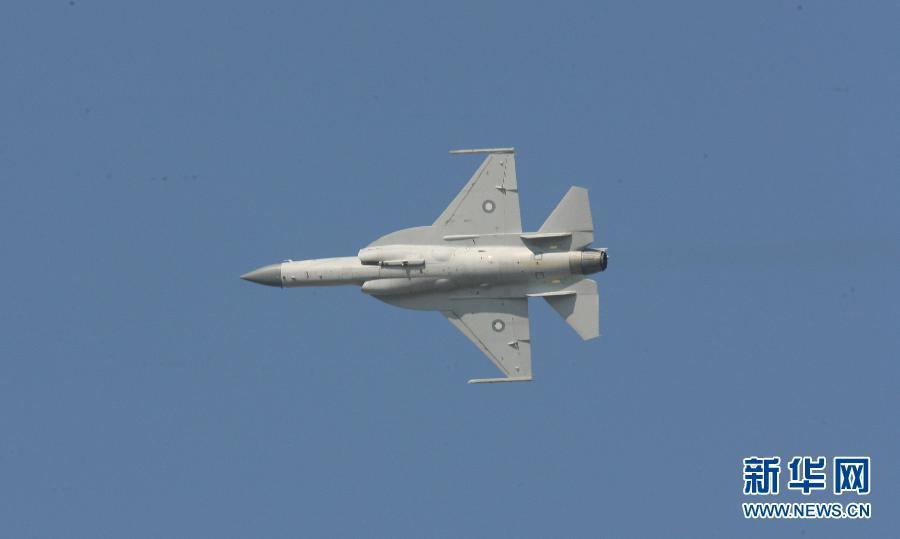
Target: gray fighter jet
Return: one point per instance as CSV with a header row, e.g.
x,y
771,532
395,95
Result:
x,y
476,266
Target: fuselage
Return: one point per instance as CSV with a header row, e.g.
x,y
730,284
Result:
x,y
416,269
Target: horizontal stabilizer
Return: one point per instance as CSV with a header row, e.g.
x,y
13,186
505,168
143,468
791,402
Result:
x,y
572,214
541,242
579,305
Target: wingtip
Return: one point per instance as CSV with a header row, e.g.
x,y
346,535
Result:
x,y
498,380
483,150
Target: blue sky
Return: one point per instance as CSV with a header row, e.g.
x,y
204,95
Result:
x,y
743,166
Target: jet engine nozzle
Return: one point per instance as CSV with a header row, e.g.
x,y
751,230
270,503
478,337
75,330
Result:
x,y
594,260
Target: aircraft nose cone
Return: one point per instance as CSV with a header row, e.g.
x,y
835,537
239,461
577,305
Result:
x,y
268,275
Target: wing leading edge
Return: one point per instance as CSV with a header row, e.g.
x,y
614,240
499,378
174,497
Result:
x,y
499,327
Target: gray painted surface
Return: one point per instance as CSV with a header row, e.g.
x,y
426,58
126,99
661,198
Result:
x,y
476,266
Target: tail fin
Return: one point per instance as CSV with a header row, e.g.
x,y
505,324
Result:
x,y
579,305
572,214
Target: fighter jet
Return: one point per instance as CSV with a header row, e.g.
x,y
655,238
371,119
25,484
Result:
x,y
476,266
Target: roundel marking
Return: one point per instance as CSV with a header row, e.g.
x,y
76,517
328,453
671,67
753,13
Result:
x,y
498,325
488,206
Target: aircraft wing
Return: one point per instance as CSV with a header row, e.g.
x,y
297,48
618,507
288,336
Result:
x,y
499,327
489,203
